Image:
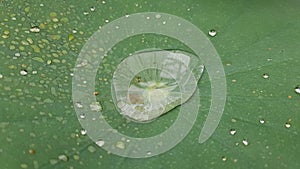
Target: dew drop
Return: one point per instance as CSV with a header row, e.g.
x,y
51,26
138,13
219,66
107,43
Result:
x,y
212,33
287,125
232,131
91,149
1,76
120,145
95,106
157,16
85,13
23,72
82,116
92,9
224,158
106,20
79,105
63,157
245,142
83,132
100,143
34,29
265,76
297,89
261,121
149,152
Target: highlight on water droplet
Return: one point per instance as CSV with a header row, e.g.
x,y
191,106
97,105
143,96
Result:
x,y
265,76
212,33
297,89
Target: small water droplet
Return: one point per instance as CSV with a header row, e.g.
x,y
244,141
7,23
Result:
x,y
85,13
120,145
63,157
103,2
23,72
157,16
92,9
106,20
100,143
287,125
164,22
79,105
245,142
31,151
83,132
149,152
34,29
82,116
95,106
261,121
74,31
91,149
265,76
224,158
232,131
212,33
297,89
1,76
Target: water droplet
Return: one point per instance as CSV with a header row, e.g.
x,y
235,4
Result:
x,y
82,116
212,33
31,151
261,121
297,89
24,166
74,31
245,142
100,143
79,105
1,76
34,29
106,20
265,76
103,2
287,125
83,132
224,158
18,54
85,13
157,16
23,72
92,9
91,149
63,157
232,131
34,72
149,152
120,145
95,106
164,22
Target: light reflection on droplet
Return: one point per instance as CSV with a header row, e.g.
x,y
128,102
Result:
x,y
245,142
297,89
287,125
261,121
23,72
83,132
265,76
232,132
212,33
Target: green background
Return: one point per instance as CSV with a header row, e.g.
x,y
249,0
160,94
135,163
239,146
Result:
x,y
38,123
